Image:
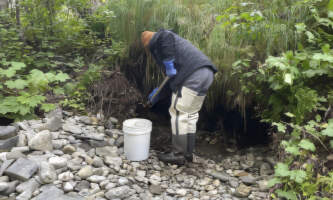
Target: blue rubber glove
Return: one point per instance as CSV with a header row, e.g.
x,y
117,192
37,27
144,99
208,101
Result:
x,y
156,98
170,68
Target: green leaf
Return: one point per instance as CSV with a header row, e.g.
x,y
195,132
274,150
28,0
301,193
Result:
x,y
289,114
17,84
288,78
298,176
323,57
47,107
329,129
280,126
17,65
282,170
294,150
289,195
307,145
273,182
62,77
331,144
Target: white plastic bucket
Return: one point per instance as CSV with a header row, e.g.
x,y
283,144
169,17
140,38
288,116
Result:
x,y
137,138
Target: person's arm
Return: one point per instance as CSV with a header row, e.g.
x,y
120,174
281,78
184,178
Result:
x,y
167,44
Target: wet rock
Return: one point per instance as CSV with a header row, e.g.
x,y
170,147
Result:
x,y
7,132
47,173
243,191
8,144
22,169
41,141
58,162
85,172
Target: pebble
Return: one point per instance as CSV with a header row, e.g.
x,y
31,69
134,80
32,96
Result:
x,y
96,179
58,162
85,172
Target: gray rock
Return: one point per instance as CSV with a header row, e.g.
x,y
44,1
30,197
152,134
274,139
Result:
x,y
72,128
55,113
47,173
3,186
59,143
248,180
26,189
97,162
120,141
258,196
219,175
14,155
95,143
233,182
107,151
85,172
5,165
263,185
118,193
123,181
156,189
51,192
11,188
7,132
88,120
113,161
58,162
53,123
68,187
243,191
82,185
266,169
8,144
41,141
96,178
69,149
21,149
22,169
66,176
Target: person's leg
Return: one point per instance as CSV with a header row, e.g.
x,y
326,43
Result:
x,y
184,115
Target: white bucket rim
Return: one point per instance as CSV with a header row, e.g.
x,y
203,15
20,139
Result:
x,y
139,126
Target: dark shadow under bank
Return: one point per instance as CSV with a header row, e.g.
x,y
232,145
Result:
x,y
229,123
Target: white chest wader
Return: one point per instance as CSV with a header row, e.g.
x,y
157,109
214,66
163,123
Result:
x,y
184,117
